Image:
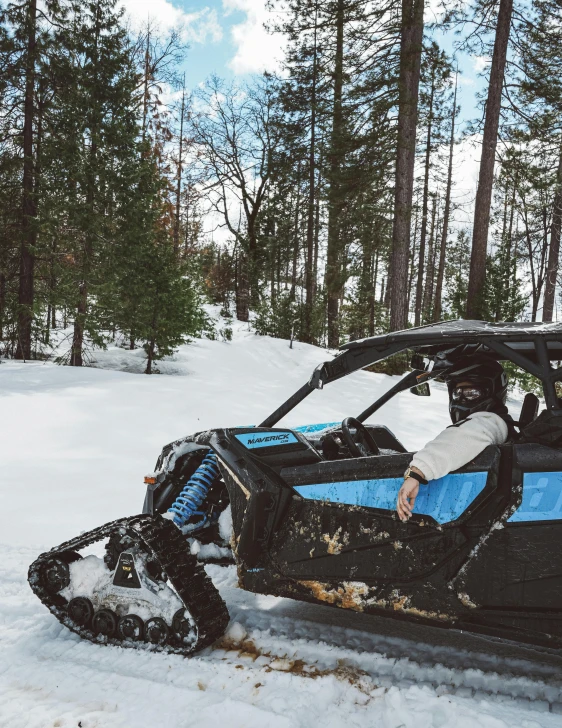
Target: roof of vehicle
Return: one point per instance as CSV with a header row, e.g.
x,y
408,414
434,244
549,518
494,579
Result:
x,y
446,334
531,346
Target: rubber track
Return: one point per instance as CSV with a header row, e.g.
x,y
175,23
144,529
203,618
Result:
x,y
165,542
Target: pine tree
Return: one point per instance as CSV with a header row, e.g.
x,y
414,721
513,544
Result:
x,y
96,114
489,143
434,92
457,267
411,38
541,96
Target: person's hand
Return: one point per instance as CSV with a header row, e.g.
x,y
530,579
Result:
x,y
406,498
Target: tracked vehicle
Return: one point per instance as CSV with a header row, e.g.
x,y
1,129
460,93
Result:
x,y
313,516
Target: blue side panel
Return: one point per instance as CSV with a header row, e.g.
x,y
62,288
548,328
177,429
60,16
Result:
x,y
444,499
252,440
542,498
306,429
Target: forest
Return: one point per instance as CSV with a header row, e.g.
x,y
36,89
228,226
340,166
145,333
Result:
x,y
315,202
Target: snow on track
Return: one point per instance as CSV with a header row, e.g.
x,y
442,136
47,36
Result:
x,y
74,446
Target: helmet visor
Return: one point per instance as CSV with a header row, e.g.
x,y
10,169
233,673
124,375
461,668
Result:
x,y
468,393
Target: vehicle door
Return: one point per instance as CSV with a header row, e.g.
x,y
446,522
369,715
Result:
x,y
341,522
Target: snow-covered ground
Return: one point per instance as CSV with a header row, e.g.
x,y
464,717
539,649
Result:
x,y
74,446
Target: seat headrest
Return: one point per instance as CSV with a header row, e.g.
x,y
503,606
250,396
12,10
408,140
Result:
x,y
529,410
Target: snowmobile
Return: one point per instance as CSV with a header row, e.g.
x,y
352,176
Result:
x,y
313,516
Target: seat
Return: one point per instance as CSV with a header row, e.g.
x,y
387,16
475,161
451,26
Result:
x,y
529,410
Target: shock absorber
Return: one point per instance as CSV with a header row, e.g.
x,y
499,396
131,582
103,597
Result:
x,y
194,492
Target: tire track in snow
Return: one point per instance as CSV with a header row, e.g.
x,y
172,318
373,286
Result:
x,y
334,675
388,661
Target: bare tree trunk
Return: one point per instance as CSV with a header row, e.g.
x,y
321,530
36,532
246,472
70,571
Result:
x,y
52,285
554,252
372,296
437,309
477,274
29,203
279,269
2,303
423,233
76,353
145,94
272,266
410,60
150,357
309,267
537,273
316,240
413,254
296,239
428,292
243,290
178,185
335,192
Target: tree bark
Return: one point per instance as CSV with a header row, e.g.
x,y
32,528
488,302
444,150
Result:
x,y
423,232
76,353
2,303
243,290
429,279
146,94
309,266
477,274
295,238
29,203
335,193
316,240
554,251
437,309
178,185
410,61
413,253
372,295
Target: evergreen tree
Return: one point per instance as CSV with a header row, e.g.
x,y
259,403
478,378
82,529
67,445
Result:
x,y
457,267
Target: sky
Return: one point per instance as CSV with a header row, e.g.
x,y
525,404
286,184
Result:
x,y
228,38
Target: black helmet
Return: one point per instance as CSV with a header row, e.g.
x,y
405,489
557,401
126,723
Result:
x,y
490,386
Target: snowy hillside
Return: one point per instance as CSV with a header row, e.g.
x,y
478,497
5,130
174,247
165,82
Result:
x,y
74,447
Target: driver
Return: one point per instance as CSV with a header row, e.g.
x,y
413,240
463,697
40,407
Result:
x,y
477,387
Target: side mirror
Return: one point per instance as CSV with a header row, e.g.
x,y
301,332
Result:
x,y
422,390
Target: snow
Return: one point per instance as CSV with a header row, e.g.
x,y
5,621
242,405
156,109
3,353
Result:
x,y
85,575
225,525
75,445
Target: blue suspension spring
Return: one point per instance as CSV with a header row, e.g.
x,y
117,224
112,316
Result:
x,y
195,491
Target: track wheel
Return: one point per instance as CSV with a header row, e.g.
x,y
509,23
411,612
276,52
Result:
x,y
56,575
183,626
156,631
105,622
80,610
130,627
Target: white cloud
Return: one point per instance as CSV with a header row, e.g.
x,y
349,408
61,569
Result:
x,y
203,26
481,63
198,27
433,11
256,49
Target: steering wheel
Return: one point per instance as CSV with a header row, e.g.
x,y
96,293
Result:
x,y
364,444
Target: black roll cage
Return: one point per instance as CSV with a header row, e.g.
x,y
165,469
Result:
x,y
526,345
